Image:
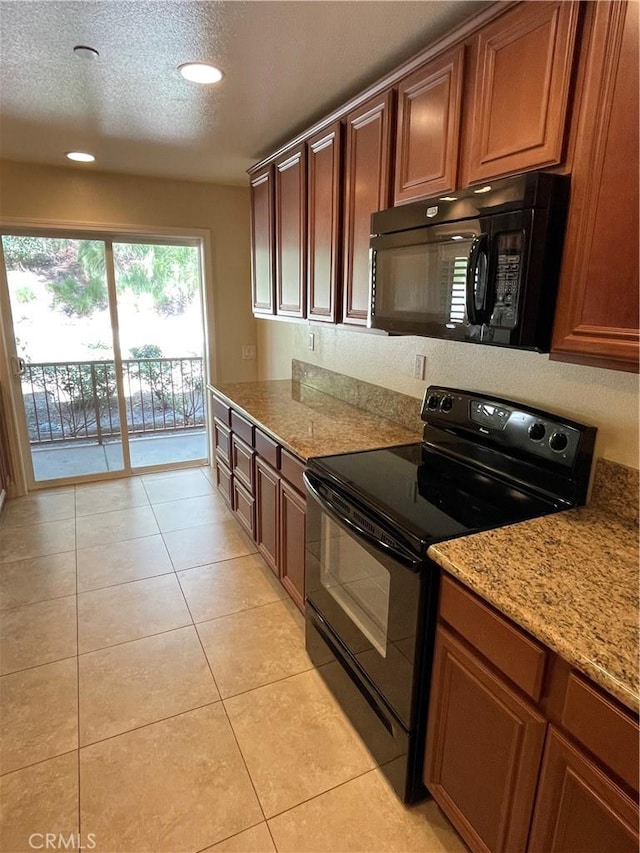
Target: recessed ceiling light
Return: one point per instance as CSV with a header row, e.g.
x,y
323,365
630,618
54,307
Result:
x,y
200,72
483,189
85,52
80,156
448,198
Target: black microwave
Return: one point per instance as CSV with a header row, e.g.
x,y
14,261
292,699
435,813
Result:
x,y
481,264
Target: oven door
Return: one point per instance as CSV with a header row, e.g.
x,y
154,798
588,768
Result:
x,y
367,591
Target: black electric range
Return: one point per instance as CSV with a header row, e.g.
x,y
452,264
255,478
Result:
x,y
371,590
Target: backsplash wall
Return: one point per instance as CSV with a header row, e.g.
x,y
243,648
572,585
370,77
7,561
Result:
x,y
607,399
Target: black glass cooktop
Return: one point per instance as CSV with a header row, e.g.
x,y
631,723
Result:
x,y
428,496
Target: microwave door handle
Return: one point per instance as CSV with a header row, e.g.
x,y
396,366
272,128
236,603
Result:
x,y
478,246
332,512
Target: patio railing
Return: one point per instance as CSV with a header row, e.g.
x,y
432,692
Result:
x,y
78,400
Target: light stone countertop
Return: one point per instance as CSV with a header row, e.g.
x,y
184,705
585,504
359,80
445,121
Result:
x,y
311,423
571,580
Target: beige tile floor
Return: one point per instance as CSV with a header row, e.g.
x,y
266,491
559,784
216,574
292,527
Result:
x,y
155,694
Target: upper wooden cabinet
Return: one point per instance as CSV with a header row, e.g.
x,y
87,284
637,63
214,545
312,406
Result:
x,y
291,232
519,90
429,108
366,190
262,245
597,313
324,153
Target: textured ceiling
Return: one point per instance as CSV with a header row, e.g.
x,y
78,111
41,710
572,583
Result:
x,y
286,64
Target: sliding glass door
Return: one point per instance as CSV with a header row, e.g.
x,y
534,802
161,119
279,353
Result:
x,y
107,357
160,321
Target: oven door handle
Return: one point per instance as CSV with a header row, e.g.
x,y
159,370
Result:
x,y
401,556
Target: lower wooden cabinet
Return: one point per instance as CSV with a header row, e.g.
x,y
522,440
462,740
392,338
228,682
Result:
x,y
578,807
262,483
267,513
293,513
244,507
484,746
539,765
224,482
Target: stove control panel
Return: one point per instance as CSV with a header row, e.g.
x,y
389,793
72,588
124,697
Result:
x,y
506,425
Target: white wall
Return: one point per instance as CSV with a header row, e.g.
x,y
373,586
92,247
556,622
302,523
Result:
x,y
609,399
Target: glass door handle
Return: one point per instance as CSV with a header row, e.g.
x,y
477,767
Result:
x,y
19,365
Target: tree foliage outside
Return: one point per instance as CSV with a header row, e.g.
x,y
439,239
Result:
x,y
174,384
74,272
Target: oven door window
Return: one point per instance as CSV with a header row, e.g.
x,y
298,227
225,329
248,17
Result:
x,y
370,601
358,583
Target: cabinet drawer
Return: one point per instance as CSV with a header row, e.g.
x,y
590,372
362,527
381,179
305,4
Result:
x,y
510,650
292,470
606,731
242,427
224,482
267,448
242,462
244,507
222,441
221,411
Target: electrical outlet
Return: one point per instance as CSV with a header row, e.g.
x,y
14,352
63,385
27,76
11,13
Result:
x,y
248,351
311,341
419,367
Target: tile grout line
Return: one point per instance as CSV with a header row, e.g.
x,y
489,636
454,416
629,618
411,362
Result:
x,y
322,793
235,835
244,762
39,761
150,723
164,544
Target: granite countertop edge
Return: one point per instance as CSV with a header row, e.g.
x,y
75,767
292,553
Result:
x,y
531,617
334,440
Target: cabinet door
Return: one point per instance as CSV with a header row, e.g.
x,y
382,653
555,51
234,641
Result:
x,y
267,512
262,241
224,483
484,745
579,808
367,189
222,442
244,507
597,311
293,513
324,154
291,219
429,107
520,89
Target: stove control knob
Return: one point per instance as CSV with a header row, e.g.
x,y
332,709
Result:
x,y
558,442
432,401
537,431
447,403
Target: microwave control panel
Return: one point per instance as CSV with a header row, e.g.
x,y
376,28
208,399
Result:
x,y
507,280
